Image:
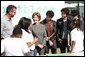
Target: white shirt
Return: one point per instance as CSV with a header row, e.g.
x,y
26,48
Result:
x,y
28,37
78,37
14,47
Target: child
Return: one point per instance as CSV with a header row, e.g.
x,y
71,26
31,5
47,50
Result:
x,y
15,46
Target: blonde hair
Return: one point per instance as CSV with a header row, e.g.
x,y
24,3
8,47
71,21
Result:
x,y
37,14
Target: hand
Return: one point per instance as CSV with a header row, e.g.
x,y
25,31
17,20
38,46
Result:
x,y
29,44
40,46
59,40
35,39
47,39
51,43
68,45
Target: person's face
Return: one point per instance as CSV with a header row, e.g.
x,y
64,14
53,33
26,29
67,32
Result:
x,y
18,35
75,17
48,18
12,14
63,15
35,19
30,26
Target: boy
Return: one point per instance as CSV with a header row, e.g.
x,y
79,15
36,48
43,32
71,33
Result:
x,y
15,46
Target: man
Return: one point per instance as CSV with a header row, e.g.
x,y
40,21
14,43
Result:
x,y
63,28
6,23
15,46
50,26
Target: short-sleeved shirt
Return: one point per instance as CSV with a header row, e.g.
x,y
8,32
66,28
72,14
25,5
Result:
x,y
77,36
6,27
14,47
28,37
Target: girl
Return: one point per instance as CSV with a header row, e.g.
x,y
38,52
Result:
x,y
77,37
26,24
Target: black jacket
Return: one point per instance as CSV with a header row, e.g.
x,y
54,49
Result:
x,y
52,29
59,27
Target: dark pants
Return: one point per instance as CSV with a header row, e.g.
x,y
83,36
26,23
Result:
x,y
63,45
53,48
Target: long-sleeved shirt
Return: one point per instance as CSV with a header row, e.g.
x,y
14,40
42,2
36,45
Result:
x,y
39,32
6,27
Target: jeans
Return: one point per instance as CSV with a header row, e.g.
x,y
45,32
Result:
x,y
31,53
63,45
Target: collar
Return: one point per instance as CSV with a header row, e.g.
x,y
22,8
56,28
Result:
x,y
6,18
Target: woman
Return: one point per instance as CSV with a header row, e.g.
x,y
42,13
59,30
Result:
x,y
38,31
77,37
26,24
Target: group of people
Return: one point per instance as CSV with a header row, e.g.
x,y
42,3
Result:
x,y
27,39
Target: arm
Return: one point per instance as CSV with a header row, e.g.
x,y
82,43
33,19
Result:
x,y
68,39
73,45
54,34
27,54
57,31
31,43
35,37
2,27
44,37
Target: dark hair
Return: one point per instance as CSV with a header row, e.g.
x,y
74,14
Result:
x,y
76,23
65,10
50,13
24,23
10,8
75,12
17,30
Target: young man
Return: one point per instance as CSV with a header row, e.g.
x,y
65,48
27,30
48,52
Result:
x,y
15,46
50,27
63,27
6,23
